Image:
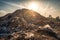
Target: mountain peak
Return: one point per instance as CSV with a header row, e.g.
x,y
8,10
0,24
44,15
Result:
x,y
28,15
25,24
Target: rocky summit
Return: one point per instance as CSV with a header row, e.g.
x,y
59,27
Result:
x,y
25,24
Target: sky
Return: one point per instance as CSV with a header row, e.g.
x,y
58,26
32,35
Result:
x,y
44,7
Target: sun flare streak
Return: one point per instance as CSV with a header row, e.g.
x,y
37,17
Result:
x,y
33,6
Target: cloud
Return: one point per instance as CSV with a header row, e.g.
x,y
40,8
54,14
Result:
x,y
2,13
13,4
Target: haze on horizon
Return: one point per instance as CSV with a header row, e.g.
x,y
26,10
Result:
x,y
44,7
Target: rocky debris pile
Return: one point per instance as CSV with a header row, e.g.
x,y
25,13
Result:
x,y
33,32
41,33
24,24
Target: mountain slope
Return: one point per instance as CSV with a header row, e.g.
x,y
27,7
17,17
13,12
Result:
x,y
26,24
29,16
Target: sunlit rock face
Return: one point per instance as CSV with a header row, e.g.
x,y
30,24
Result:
x,y
29,15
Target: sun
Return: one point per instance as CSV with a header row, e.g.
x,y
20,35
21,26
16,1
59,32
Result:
x,y
33,6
